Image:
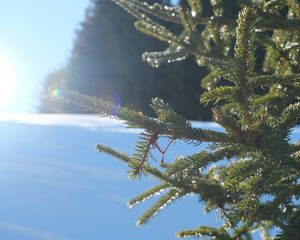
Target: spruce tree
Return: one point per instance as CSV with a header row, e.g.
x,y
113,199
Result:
x,y
258,186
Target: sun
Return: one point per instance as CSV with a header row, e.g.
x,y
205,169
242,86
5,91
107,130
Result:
x,y
7,83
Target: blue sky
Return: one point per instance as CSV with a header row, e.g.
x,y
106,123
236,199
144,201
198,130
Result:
x,y
36,37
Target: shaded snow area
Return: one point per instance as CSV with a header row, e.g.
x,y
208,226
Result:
x,y
54,185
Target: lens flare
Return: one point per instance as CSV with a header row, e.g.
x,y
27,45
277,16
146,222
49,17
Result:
x,y
56,92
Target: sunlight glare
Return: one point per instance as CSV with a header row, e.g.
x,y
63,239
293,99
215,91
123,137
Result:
x,y
7,83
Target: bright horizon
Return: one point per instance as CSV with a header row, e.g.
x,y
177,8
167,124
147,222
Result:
x,y
33,43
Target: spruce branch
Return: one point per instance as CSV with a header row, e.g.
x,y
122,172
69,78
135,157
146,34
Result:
x,y
234,176
147,169
291,115
245,61
270,80
187,19
121,156
197,162
162,202
132,118
273,22
148,194
200,135
125,158
278,53
227,121
219,93
245,43
270,20
175,129
211,79
146,24
248,206
158,31
218,234
171,54
132,9
217,7
196,7
226,68
180,15
163,12
140,158
188,187
296,147
243,231
291,228
206,189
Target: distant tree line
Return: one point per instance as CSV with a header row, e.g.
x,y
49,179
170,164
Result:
x,y
106,61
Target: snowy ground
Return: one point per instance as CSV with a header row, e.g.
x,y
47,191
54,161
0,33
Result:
x,y
54,185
